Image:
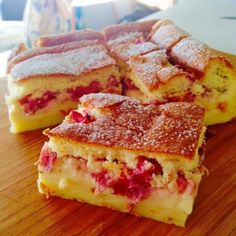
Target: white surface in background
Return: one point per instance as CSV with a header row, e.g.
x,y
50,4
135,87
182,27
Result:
x,y
203,19
3,63
11,33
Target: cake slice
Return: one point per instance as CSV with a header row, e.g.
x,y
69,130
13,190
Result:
x,y
157,79
214,78
43,88
116,152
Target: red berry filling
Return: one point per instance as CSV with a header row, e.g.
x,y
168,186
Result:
x,y
222,106
112,81
47,158
132,183
77,117
128,84
76,93
189,97
181,182
31,105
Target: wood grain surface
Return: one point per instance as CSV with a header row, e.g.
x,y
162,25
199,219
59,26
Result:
x,y
23,211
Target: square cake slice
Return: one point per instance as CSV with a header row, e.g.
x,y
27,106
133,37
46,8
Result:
x,y
116,152
42,88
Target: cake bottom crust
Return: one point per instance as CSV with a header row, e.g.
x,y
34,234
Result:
x,y
161,204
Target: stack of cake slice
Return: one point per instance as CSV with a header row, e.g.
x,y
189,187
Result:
x,y
116,152
155,62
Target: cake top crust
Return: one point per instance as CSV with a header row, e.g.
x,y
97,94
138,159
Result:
x,y
73,62
115,31
192,54
53,40
154,69
126,50
32,52
167,35
126,123
126,38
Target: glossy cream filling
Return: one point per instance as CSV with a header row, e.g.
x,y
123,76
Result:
x,y
68,179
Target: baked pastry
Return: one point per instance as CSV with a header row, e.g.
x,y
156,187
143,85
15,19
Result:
x,y
44,87
157,79
116,152
214,78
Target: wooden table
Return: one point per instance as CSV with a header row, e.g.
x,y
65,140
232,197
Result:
x,y
23,211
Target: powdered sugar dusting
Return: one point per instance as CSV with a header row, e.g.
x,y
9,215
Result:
x,y
172,128
33,52
103,100
127,50
73,62
168,35
125,38
153,68
114,31
193,54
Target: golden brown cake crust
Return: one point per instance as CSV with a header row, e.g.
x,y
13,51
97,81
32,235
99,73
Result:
x,y
153,68
126,50
192,54
73,62
33,52
53,40
115,31
172,128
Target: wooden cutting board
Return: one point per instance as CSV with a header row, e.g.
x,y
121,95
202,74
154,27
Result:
x,y
23,211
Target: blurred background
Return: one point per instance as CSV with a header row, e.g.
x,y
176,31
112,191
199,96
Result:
x,y
25,20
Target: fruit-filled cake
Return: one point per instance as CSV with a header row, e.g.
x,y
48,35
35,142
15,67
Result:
x,y
117,152
45,83
213,77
